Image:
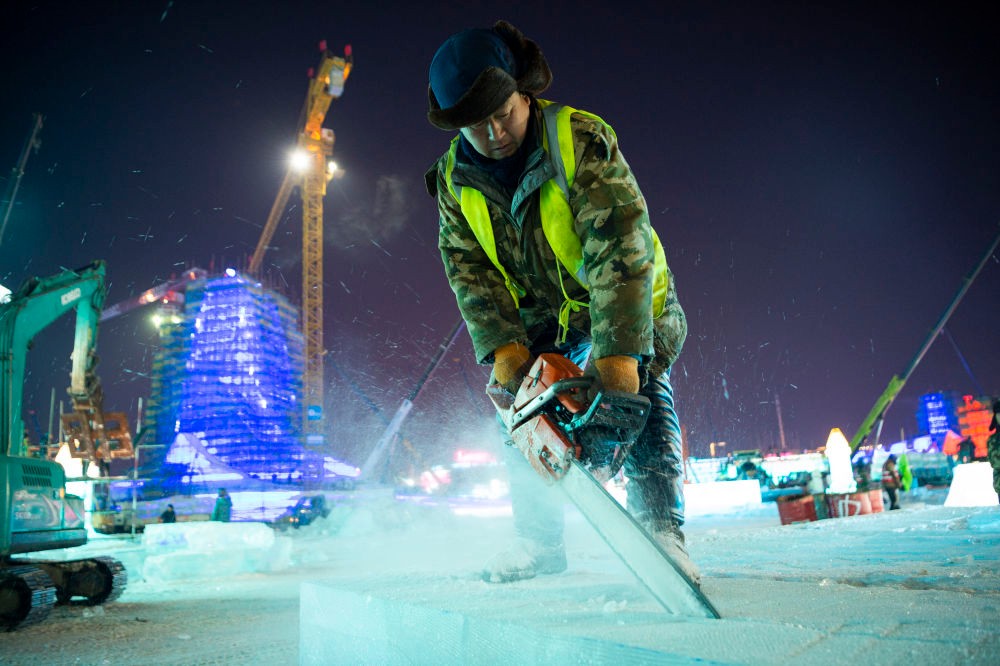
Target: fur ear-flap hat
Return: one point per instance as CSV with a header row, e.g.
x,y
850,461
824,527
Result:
x,y
476,70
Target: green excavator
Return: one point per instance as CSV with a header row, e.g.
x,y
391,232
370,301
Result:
x,y
36,512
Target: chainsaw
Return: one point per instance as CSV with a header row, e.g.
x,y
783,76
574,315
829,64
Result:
x,y
560,414
577,435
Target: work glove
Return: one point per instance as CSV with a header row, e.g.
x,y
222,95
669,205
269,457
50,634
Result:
x,y
610,433
511,363
618,373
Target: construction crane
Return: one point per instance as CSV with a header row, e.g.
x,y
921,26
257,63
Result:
x,y
171,292
877,414
33,143
310,171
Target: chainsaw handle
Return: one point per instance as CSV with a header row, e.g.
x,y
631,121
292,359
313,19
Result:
x,y
533,406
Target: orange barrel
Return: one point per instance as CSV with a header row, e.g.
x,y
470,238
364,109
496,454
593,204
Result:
x,y
799,509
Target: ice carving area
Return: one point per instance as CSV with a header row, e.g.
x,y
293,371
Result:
x,y
864,589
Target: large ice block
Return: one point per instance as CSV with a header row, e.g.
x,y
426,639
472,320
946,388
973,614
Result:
x,y
212,549
345,626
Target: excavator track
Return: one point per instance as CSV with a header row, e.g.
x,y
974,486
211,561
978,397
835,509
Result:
x,y
119,578
89,582
27,595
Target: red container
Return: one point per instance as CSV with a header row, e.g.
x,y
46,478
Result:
x,y
796,509
875,497
842,505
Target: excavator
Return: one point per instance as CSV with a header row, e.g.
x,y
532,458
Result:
x,y
36,512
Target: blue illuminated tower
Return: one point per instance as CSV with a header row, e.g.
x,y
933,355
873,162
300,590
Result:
x,y
229,377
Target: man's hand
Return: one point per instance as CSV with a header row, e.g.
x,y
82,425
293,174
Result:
x,y
618,373
511,363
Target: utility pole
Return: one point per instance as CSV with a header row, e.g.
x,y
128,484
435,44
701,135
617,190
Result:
x,y
781,425
48,434
33,142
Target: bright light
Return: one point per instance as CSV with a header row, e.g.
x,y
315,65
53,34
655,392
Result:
x,y
838,453
299,160
157,320
333,170
230,272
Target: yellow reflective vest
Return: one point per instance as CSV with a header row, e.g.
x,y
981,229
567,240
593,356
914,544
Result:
x,y
557,217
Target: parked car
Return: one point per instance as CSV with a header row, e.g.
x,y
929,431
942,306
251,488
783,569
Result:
x,y
305,511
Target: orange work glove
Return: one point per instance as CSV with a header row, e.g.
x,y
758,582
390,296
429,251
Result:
x,y
618,373
511,363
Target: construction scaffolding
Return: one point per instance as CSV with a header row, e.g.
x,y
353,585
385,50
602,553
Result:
x,y
228,374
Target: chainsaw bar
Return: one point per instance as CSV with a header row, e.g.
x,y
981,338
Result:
x,y
647,561
551,421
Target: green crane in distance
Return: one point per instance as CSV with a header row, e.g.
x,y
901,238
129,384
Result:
x,y
877,414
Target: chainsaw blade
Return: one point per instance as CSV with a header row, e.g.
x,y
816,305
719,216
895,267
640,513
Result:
x,y
647,561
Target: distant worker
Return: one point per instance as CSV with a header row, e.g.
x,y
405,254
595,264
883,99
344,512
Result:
x,y
891,481
863,473
993,446
966,451
751,472
168,515
223,510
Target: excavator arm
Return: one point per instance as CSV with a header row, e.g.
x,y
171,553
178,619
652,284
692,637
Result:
x,y
36,305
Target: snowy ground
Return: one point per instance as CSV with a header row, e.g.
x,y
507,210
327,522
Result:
x,y
920,585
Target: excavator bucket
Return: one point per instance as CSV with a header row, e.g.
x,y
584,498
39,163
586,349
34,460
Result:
x,y
117,437
79,436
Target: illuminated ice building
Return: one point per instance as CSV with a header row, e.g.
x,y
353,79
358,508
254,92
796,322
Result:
x,y
226,394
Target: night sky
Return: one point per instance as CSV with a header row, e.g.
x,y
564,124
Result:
x,y
823,179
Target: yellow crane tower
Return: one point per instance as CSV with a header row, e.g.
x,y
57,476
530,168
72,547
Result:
x,y
310,170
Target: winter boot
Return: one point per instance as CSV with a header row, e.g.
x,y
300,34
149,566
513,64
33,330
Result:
x,y
671,540
655,471
524,559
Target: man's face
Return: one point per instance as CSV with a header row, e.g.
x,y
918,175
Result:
x,y
501,134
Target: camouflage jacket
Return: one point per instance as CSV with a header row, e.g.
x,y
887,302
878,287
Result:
x,y
614,230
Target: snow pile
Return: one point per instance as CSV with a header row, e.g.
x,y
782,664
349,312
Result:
x,y
972,486
212,549
721,497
